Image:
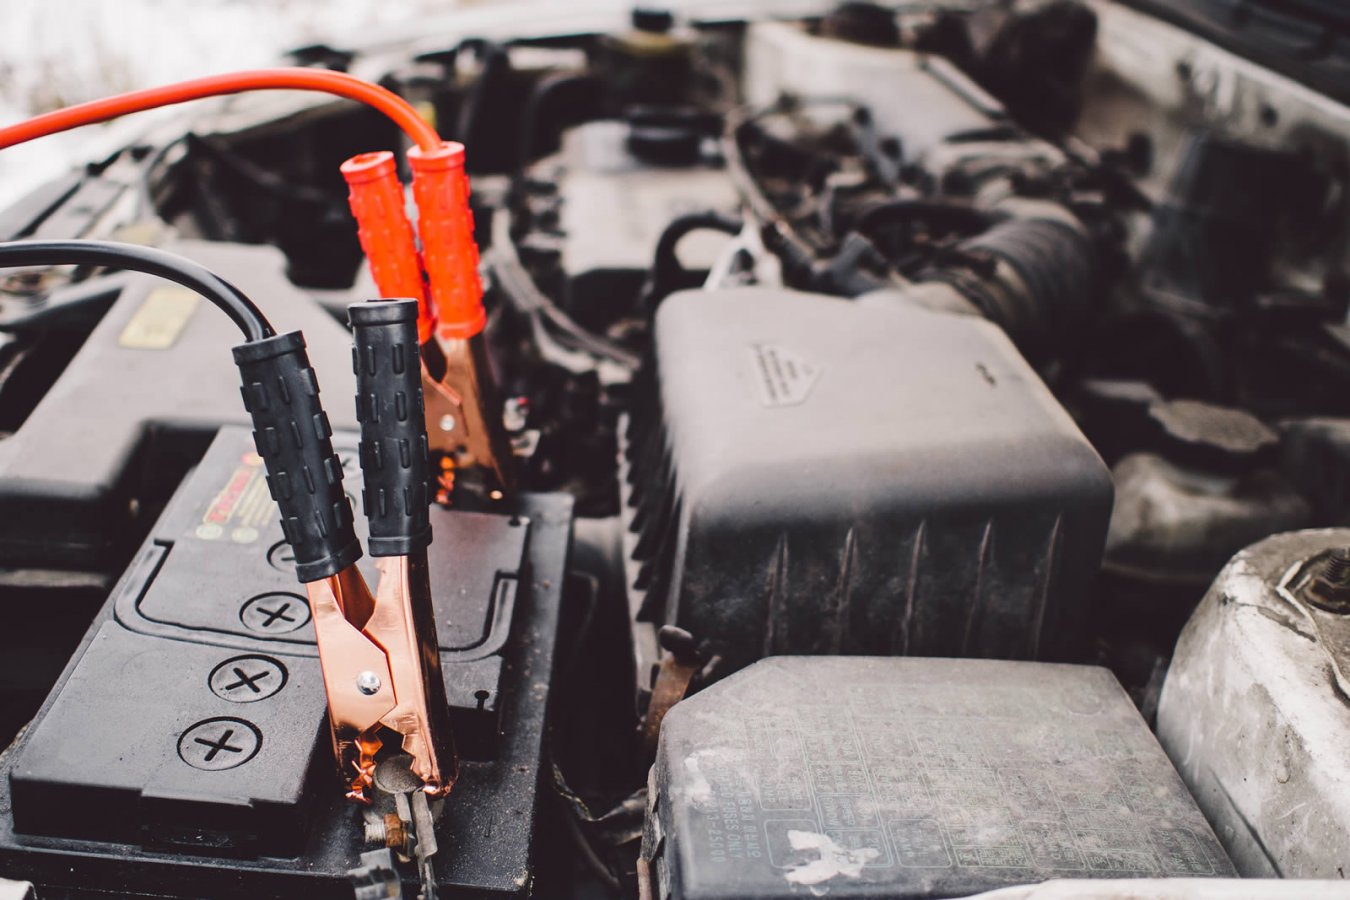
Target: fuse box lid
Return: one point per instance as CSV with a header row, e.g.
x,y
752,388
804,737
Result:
x,y
873,777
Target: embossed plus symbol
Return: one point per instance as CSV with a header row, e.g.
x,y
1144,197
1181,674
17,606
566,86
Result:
x,y
245,679
271,615
274,613
220,743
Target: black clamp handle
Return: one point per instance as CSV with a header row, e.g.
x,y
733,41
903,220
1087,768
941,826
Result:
x,y
395,460
294,439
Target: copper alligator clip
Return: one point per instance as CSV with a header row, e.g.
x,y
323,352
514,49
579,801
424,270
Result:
x,y
381,664
461,400
463,415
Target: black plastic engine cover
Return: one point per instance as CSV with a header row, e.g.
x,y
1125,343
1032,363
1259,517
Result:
x,y
143,396
185,751
913,778
815,475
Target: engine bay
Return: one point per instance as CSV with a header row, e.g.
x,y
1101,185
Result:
x,y
893,452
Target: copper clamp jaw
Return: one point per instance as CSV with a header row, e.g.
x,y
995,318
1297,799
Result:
x,y
380,669
379,654
463,412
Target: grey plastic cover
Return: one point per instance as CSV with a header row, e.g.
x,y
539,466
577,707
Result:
x,y
900,778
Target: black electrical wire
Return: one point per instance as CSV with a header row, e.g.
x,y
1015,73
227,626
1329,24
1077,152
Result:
x,y
542,98
666,264
667,274
778,233
738,167
526,297
134,258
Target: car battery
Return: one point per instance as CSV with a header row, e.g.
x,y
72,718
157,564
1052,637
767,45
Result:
x,y
184,751
85,471
913,778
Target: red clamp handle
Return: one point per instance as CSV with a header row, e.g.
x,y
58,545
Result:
x,y
449,254
376,198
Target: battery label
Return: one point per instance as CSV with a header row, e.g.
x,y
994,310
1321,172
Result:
x,y
243,507
160,320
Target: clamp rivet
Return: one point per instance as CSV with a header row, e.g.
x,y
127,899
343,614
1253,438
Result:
x,y
447,422
368,683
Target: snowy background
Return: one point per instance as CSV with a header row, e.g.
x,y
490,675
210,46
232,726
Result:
x,y
57,53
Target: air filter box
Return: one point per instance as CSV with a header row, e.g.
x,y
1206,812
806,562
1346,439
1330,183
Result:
x,y
818,475
913,778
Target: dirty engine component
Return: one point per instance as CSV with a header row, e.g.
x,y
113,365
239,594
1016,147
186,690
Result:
x,y
1253,709
913,778
713,452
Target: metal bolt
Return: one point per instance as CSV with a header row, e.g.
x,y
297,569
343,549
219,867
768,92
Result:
x,y
1328,588
1336,567
387,831
447,422
368,683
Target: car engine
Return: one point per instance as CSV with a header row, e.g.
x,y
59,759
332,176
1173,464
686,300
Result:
x,y
798,449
